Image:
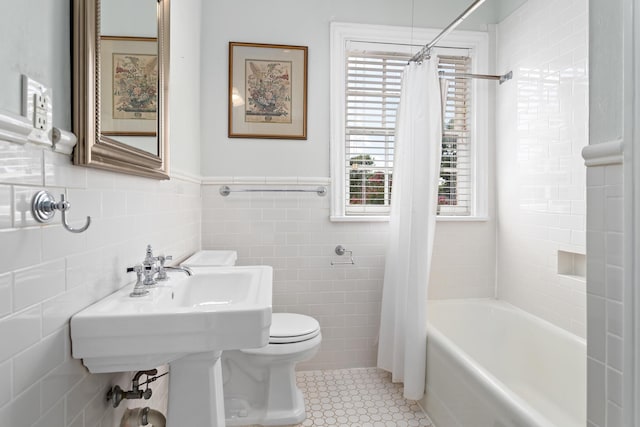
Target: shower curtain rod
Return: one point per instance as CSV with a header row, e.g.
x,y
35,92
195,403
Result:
x,y
425,52
503,78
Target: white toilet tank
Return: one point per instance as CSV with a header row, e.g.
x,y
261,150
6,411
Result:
x,y
211,258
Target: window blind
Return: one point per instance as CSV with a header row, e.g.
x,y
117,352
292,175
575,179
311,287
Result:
x,y
372,95
455,187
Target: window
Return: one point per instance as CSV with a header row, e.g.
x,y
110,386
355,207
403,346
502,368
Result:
x,y
370,93
455,187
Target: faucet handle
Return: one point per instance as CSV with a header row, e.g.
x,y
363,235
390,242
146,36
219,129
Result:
x,y
149,267
162,273
138,268
163,258
149,259
139,288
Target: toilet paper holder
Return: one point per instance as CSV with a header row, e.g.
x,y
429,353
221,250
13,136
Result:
x,y
340,251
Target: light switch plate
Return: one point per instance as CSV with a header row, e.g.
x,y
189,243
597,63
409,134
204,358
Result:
x,y
37,106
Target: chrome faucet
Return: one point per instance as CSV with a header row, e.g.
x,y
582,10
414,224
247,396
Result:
x,y
150,267
162,269
184,269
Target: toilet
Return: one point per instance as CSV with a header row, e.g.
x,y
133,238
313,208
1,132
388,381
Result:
x,y
259,384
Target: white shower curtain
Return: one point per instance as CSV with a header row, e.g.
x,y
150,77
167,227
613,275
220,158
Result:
x,y
416,171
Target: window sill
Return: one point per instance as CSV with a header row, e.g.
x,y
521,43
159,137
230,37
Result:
x,y
359,218
462,218
381,218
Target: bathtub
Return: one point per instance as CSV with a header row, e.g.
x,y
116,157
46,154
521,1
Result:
x,y
490,364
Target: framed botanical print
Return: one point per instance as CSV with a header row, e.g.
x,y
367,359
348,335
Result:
x,y
267,91
129,85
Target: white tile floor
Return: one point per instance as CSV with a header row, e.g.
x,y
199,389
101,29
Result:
x,y
362,397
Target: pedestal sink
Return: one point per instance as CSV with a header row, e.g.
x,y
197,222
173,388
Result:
x,y
185,322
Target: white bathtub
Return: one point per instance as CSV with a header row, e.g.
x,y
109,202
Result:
x,y
491,364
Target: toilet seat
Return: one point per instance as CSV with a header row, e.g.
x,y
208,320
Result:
x,y
287,328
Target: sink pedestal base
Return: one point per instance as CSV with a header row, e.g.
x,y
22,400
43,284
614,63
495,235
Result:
x,y
195,391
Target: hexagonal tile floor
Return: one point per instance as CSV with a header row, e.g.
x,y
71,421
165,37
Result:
x,y
361,397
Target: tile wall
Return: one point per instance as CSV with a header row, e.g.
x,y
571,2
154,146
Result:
x,y
292,233
542,126
47,274
612,348
605,297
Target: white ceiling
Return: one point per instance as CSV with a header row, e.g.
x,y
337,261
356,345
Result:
x,y
491,12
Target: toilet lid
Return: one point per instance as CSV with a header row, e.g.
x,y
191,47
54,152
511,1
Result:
x,y
291,327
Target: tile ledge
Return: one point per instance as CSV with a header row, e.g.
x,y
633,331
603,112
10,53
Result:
x,y
604,153
181,175
14,128
265,180
17,129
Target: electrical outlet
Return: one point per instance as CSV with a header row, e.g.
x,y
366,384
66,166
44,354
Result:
x,y
38,108
40,101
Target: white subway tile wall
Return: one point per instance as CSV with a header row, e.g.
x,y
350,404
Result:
x,y
292,233
47,274
464,259
542,126
604,296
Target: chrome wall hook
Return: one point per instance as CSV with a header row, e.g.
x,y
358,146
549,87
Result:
x,y
44,207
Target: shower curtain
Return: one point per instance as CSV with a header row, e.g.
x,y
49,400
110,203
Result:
x,y
416,171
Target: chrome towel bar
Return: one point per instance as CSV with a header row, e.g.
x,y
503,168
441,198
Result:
x,y
225,190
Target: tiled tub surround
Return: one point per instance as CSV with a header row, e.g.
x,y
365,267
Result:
x,y
541,126
47,274
605,296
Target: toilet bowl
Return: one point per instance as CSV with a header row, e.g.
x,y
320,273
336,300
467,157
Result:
x,y
259,384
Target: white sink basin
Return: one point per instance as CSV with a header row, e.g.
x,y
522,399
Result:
x,y
218,309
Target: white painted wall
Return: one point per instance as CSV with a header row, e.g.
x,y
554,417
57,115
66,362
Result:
x,y
541,127
184,88
296,23
35,41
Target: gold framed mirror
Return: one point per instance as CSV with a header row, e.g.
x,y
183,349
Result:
x,y
120,85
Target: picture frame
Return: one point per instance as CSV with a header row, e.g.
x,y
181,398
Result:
x,y
129,86
267,91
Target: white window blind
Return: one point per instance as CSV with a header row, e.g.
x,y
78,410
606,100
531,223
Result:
x,y
455,189
372,95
